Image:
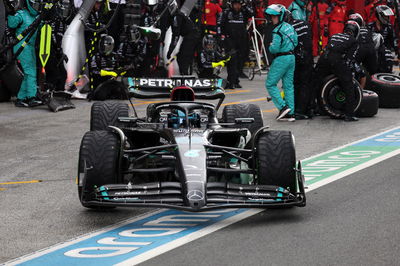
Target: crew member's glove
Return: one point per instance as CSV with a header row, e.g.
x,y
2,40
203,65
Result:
x,y
216,64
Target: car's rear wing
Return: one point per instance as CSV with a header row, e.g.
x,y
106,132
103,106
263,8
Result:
x,y
210,89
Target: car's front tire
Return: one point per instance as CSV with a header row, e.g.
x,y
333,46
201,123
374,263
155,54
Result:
x,y
99,152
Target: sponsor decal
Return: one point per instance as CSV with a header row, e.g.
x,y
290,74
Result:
x,y
170,83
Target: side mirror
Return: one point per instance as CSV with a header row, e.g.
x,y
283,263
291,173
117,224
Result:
x,y
152,32
246,120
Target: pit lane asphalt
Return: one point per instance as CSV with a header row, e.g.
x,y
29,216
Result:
x,y
38,144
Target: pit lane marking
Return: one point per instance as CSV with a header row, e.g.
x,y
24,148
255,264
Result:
x,y
86,249
246,101
270,110
21,182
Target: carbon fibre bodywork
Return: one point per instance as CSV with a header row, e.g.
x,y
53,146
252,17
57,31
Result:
x,y
182,157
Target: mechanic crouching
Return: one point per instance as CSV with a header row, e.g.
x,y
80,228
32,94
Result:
x,y
339,58
284,41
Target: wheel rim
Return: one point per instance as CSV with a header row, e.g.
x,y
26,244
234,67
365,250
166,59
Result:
x,y
389,78
337,98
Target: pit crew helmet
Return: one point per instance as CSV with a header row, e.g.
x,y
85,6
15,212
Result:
x,y
34,6
275,10
353,28
134,34
209,42
106,44
383,12
357,18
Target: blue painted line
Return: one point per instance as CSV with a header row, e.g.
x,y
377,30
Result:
x,y
94,253
389,139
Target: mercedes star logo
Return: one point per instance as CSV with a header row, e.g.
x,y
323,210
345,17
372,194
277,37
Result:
x,y
195,195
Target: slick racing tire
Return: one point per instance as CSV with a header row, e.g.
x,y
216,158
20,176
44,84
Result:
x,y
276,156
5,95
369,104
387,86
99,152
104,114
332,97
243,110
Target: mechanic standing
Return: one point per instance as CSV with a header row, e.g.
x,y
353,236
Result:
x,y
183,26
20,21
284,41
231,27
383,26
338,17
319,20
211,11
339,59
298,9
304,67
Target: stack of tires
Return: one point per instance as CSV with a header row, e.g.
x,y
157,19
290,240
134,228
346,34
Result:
x,y
332,99
387,86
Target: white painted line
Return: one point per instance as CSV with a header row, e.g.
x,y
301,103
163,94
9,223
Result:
x,y
350,144
79,239
350,171
186,239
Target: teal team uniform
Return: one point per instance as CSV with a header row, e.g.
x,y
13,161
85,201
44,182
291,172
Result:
x,y
20,21
284,40
298,11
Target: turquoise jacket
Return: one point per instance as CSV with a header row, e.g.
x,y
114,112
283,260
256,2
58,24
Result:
x,y
284,39
298,12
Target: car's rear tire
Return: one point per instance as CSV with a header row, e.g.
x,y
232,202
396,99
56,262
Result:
x,y
387,86
276,159
332,98
99,151
104,114
243,110
369,104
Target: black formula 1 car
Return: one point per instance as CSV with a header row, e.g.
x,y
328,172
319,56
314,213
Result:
x,y
182,156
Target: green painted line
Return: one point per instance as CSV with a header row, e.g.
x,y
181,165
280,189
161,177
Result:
x,y
351,157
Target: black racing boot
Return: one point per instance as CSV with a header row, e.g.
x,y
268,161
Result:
x,y
284,111
21,103
350,118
